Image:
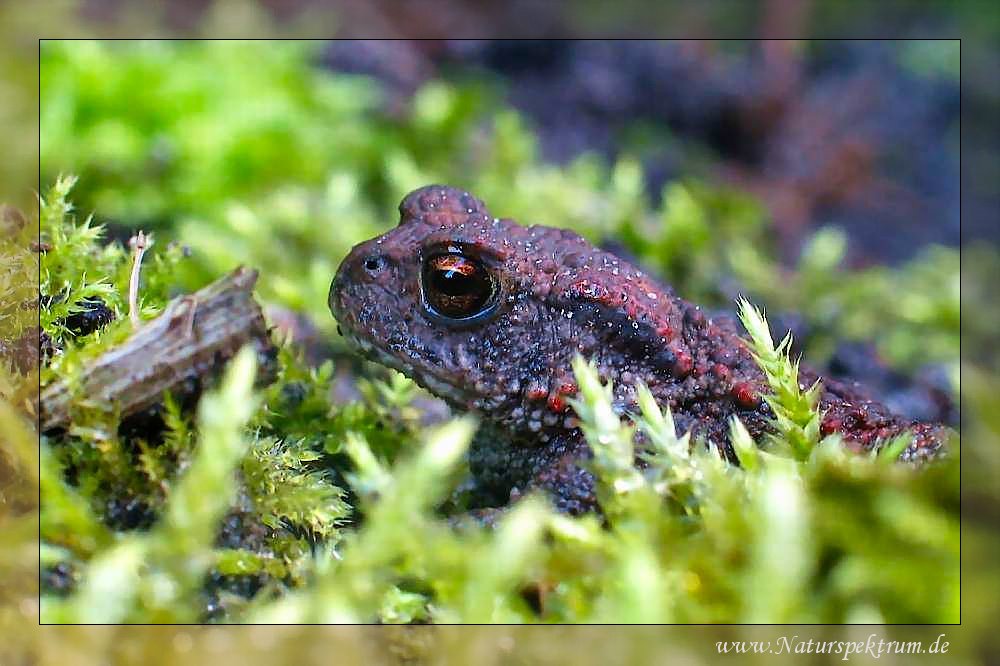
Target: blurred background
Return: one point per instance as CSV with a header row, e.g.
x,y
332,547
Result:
x,y
821,178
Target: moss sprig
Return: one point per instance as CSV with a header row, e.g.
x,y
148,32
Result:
x,y
796,409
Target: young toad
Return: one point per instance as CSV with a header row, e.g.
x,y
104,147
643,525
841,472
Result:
x,y
488,315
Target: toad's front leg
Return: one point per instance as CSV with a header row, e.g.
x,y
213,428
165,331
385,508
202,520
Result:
x,y
504,471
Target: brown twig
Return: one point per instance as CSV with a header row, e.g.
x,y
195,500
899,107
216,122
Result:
x,y
192,339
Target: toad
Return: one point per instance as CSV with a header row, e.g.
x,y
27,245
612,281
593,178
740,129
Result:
x,y
488,315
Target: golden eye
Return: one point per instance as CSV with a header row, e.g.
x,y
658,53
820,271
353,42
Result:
x,y
457,287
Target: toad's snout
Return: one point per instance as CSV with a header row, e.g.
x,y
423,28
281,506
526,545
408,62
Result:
x,y
366,266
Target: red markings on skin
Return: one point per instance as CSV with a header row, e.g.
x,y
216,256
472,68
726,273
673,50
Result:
x,y
557,400
589,290
683,363
859,425
745,395
568,388
536,392
665,331
556,403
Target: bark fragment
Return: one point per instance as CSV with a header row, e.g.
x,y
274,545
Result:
x,y
193,338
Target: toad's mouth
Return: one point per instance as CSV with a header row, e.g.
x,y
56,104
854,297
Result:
x,y
423,376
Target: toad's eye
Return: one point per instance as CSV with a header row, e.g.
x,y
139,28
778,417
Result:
x,y
458,287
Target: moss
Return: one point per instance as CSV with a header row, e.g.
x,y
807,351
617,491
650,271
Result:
x,y
796,411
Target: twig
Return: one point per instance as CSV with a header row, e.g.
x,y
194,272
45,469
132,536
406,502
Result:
x,y
191,340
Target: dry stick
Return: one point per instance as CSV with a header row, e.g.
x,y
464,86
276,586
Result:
x,y
193,338
140,243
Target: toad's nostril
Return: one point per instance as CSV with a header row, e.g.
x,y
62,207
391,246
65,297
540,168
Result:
x,y
374,264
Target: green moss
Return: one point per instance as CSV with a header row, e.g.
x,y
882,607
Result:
x,y
796,411
18,318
